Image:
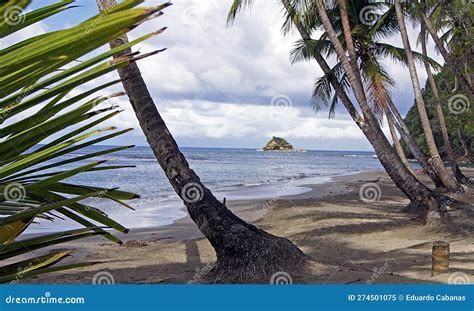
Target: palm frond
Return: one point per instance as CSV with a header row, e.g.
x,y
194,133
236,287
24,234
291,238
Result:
x,y
34,166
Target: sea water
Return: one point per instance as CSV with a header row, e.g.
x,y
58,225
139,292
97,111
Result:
x,y
234,174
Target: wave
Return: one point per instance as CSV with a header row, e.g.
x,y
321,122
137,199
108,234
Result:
x,y
360,156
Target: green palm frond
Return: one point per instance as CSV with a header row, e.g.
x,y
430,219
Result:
x,y
36,78
323,94
304,49
397,55
378,84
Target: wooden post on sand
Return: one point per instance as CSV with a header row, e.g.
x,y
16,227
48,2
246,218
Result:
x,y
440,258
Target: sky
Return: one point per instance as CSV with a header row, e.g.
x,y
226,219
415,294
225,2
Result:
x,y
231,86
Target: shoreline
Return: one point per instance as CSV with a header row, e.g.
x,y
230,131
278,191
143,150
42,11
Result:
x,y
240,194
349,240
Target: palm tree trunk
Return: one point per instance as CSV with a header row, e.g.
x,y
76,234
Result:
x,y
245,254
439,111
353,61
398,172
414,148
437,163
350,43
396,141
355,68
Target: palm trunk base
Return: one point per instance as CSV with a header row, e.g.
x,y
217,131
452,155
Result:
x,y
259,260
437,219
432,218
414,208
438,216
245,253
446,217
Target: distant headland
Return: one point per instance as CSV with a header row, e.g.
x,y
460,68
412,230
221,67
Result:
x,y
280,144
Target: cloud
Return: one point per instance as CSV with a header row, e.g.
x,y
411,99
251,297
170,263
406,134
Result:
x,y
215,84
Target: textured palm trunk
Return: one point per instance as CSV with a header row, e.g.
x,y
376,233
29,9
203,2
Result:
x,y
350,45
355,67
455,68
245,254
414,148
436,161
420,196
396,142
406,134
439,112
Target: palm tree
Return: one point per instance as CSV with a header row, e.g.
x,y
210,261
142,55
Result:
x,y
439,111
454,14
367,52
379,82
396,142
438,164
357,87
33,170
244,252
416,191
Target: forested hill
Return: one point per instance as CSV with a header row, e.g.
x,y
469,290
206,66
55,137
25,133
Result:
x,y
459,115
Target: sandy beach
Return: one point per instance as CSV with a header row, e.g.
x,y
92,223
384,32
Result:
x,y
351,241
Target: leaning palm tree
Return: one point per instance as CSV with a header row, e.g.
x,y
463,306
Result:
x,y
396,141
245,253
439,111
368,51
42,126
457,17
304,15
438,164
353,75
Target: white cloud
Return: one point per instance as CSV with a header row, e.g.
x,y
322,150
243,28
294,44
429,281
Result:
x,y
214,84
192,119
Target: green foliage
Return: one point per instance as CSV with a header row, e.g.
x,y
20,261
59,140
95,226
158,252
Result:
x,y
36,77
459,117
277,143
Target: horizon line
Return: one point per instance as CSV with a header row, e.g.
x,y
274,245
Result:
x,y
246,148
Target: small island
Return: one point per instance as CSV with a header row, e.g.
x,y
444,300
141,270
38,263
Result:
x,y
280,144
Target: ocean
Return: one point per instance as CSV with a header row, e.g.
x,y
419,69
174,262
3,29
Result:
x,y
234,174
